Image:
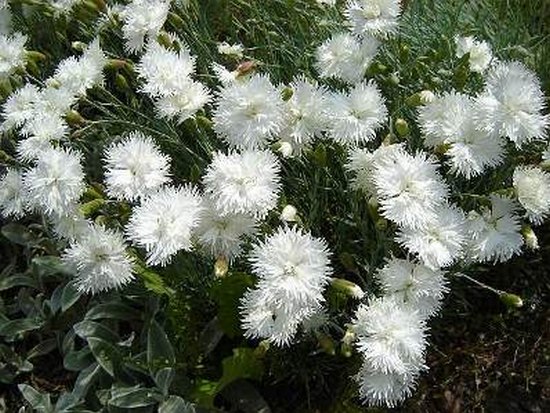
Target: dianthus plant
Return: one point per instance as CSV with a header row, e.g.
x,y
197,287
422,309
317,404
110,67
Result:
x,y
143,145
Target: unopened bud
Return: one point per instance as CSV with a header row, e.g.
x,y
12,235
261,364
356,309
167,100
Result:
x,y
402,127
165,40
246,68
320,155
221,267
36,56
530,237
89,208
74,118
347,287
285,148
511,300
78,46
204,122
287,93
121,82
117,64
289,214
347,343
426,96
326,343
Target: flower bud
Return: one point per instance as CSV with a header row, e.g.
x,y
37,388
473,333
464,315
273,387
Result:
x,y
530,237
287,93
74,118
511,300
402,127
426,96
221,267
91,207
289,214
347,287
285,148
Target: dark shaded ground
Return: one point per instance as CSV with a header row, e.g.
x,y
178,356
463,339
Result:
x,y
486,357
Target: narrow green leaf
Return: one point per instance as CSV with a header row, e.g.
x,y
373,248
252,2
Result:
x,y
44,347
19,234
175,404
132,397
227,294
22,325
115,311
18,281
159,349
164,378
86,329
69,296
38,401
105,354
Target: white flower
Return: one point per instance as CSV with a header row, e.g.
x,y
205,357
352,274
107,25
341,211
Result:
x,y
143,18
440,242
293,268
373,17
416,285
162,224
390,337
12,53
450,120
441,119
100,259
246,182
41,130
512,104
249,112
12,194
292,265
475,152
184,102
480,52
235,50
56,181
19,107
54,101
135,167
409,188
495,234
72,226
355,117
224,76
377,388
266,318
345,57
79,75
165,71
305,112
532,187
222,235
